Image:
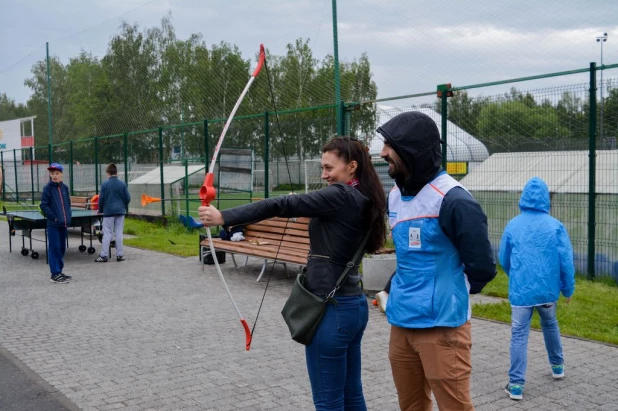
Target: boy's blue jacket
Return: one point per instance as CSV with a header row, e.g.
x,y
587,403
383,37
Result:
x,y
114,197
56,204
536,252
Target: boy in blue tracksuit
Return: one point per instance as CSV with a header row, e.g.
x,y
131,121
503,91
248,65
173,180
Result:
x,y
536,254
114,199
56,207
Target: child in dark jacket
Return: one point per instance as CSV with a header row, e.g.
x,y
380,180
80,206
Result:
x,y
56,207
114,199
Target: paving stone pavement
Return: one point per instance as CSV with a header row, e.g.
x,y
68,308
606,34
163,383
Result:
x,y
157,333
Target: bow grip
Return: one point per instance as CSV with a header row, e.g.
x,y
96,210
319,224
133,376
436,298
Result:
x,y
208,192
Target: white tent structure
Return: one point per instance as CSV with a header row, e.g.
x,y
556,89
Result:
x,y
460,145
150,184
497,184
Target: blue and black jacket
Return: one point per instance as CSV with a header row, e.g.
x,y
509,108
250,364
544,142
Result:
x,y
114,197
449,243
56,204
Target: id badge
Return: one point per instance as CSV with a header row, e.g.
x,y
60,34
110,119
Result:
x,y
414,237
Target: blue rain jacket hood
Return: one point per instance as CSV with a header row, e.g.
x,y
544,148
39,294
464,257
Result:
x,y
535,196
536,252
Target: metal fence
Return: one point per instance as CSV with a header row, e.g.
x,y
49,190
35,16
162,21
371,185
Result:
x,y
495,142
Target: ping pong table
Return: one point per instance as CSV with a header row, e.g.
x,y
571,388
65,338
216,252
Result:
x,y
26,221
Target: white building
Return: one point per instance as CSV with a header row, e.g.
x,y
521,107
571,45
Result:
x,y
498,182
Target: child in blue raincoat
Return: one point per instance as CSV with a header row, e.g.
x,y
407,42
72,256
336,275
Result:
x,y
536,254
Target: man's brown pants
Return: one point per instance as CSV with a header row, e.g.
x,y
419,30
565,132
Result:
x,y
432,359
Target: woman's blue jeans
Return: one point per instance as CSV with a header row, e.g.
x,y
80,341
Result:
x,y
520,329
334,356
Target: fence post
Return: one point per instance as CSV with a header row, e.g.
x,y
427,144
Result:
x,y
337,74
266,154
96,165
125,142
444,114
341,118
3,174
161,170
187,188
206,144
32,172
71,167
49,104
15,168
592,141
348,120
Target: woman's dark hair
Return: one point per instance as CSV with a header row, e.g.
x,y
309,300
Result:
x,y
349,149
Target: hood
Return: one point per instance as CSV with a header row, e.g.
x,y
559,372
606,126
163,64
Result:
x,y
535,196
415,138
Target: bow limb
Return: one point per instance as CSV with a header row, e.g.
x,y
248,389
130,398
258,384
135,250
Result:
x,y
208,192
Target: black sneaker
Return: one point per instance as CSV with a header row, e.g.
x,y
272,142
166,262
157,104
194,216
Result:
x,y
59,279
68,277
100,259
119,258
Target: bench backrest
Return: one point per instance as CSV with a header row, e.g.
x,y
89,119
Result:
x,y
80,202
293,233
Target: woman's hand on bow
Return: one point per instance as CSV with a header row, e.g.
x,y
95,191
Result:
x,y
210,216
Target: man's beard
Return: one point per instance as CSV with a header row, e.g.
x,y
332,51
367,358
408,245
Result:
x,y
396,172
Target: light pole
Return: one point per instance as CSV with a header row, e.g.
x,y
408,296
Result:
x,y
602,39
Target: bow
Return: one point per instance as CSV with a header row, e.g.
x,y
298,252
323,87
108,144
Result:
x,y
208,192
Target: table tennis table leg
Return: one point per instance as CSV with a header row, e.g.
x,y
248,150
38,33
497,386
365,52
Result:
x,y
90,224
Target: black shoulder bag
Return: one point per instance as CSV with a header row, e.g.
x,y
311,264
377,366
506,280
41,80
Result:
x,y
303,311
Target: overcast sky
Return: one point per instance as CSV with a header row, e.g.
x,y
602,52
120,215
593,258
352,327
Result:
x,y
412,44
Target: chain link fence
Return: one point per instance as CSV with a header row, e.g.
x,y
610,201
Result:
x,y
495,142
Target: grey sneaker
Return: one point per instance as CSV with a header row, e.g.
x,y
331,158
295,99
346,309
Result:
x,y
59,279
119,258
100,259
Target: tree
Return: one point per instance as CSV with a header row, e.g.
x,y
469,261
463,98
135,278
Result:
x,y
149,78
10,110
515,125
37,103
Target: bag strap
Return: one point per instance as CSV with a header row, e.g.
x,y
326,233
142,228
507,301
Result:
x,y
348,266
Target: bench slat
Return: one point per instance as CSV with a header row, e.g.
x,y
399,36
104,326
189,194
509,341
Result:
x,y
277,237
288,244
300,249
289,231
271,253
79,202
302,220
280,224
271,250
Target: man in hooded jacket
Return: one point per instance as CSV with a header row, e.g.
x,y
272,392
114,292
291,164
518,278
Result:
x,y
536,254
443,255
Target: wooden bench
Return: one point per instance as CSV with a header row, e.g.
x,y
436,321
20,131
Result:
x,y
80,202
275,238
